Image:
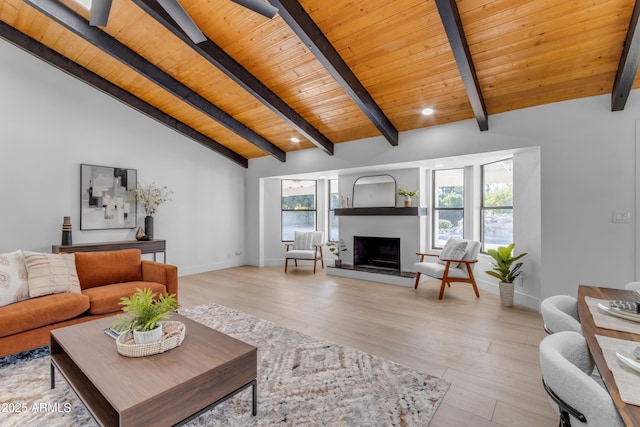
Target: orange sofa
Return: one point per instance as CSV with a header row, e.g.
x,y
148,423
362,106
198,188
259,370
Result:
x,y
104,278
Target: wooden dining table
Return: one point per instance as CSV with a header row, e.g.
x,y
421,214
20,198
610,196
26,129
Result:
x,y
629,413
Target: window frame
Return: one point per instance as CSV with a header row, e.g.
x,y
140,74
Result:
x,y
434,194
483,208
331,210
314,210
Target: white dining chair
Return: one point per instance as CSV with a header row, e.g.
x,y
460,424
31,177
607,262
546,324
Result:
x,y
578,399
560,313
632,286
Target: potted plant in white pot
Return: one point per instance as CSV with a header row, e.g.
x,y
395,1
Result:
x,y
335,248
143,313
407,196
505,268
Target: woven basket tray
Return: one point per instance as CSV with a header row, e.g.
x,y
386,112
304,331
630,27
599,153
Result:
x,y
127,346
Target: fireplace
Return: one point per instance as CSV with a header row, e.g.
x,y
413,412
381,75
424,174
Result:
x,y
376,253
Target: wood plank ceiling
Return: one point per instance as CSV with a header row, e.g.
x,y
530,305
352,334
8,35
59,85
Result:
x,y
329,72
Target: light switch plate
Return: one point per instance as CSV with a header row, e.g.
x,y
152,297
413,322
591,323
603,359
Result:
x,y
621,217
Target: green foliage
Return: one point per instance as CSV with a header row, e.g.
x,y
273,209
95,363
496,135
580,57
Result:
x,y
407,193
298,202
498,196
505,268
444,224
450,197
144,311
337,247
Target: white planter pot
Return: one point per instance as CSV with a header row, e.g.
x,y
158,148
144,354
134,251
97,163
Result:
x,y
148,337
506,293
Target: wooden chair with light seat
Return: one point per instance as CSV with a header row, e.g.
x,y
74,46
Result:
x,y
454,264
307,245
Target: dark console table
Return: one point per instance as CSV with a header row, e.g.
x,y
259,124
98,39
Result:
x,y
146,246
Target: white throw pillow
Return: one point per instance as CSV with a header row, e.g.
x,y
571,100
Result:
x,y
13,278
51,273
303,240
453,249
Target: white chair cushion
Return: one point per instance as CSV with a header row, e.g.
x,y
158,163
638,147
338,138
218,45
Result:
x,y
436,270
453,249
301,254
303,240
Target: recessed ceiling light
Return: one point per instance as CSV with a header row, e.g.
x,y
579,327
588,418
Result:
x,y
295,140
427,111
84,3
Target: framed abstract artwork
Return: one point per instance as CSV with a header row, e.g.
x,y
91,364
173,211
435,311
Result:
x,y
106,199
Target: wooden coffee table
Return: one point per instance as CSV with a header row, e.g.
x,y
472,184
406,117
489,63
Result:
x,y
163,389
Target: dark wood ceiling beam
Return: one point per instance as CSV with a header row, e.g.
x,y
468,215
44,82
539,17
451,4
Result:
x,y
108,44
628,66
234,70
307,30
66,65
450,17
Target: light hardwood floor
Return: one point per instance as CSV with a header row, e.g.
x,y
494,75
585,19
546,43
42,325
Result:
x,y
487,352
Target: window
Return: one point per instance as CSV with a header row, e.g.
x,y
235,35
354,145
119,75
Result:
x,y
448,206
334,203
298,207
497,204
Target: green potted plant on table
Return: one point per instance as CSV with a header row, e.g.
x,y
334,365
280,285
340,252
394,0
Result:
x,y
143,313
335,248
407,196
505,268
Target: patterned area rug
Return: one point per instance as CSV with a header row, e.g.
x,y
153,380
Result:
x,y
302,381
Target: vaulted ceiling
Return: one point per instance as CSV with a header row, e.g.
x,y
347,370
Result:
x,y
328,72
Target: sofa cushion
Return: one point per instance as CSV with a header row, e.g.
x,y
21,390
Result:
x,y
41,311
104,268
51,273
13,278
106,299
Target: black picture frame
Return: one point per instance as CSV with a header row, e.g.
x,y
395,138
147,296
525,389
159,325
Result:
x,y
106,197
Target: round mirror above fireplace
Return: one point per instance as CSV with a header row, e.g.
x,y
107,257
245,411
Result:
x,y
374,191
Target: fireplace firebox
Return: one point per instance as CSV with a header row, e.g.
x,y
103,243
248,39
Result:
x,y
376,253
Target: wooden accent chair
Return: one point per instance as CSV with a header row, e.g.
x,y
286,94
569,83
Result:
x,y
454,264
307,245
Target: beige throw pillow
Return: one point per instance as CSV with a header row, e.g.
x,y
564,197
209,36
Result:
x,y
303,240
453,249
13,278
51,273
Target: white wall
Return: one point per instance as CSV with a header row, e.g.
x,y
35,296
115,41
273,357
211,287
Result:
x,y
51,123
408,229
587,168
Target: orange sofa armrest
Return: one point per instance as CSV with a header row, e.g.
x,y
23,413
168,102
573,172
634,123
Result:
x,y
166,274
